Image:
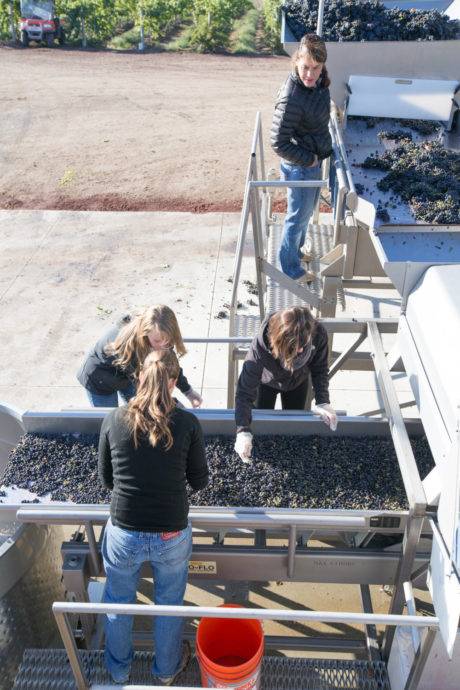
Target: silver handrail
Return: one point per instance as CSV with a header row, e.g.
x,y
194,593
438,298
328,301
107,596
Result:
x,y
61,611
351,196
152,610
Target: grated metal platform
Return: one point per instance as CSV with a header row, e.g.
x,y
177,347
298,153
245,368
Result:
x,y
44,669
277,297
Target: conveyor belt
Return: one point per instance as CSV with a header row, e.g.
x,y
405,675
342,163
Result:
x,y
43,669
295,472
361,140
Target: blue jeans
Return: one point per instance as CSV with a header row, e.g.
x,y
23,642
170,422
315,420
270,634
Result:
x,y
123,553
300,206
111,400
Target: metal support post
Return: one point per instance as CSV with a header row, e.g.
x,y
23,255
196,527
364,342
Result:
x,y
93,549
421,657
403,574
410,476
291,550
71,649
12,22
258,250
370,630
337,365
319,24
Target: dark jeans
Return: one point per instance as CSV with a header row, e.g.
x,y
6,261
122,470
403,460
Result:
x,y
111,399
290,400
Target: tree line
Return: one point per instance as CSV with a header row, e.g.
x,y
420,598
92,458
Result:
x,y
96,22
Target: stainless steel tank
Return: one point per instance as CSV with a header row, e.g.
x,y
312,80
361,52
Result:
x,y
30,575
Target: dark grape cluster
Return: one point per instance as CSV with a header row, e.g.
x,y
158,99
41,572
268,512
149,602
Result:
x,y
395,135
425,175
287,471
368,20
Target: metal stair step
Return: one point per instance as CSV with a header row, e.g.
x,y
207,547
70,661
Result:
x,y
49,669
277,297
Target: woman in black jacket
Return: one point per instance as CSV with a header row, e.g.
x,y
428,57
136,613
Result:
x,y
300,136
111,367
291,346
148,451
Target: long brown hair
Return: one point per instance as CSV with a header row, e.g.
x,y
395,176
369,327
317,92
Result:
x,y
288,331
132,345
314,46
150,410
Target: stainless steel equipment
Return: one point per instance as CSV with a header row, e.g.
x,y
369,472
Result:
x,y
408,59
30,581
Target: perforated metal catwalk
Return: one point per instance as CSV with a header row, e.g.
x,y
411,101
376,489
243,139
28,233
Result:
x,y
278,297
43,669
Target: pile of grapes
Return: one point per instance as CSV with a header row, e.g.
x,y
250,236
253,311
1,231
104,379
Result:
x,y
287,471
369,20
425,175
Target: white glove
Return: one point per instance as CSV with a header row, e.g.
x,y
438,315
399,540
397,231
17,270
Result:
x,y
243,445
194,397
327,414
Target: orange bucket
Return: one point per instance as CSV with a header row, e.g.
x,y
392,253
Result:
x,y
229,651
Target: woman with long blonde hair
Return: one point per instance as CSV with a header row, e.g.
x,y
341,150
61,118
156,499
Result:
x,y
291,347
148,451
111,368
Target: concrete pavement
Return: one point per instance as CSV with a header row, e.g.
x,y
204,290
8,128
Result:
x,y
66,276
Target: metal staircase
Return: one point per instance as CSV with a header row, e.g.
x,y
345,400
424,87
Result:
x,y
275,289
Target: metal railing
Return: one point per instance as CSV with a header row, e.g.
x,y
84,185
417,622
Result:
x,y
61,611
257,208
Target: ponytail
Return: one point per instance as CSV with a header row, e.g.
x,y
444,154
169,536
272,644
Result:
x,y
150,410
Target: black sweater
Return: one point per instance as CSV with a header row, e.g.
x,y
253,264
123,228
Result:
x,y
99,374
260,366
149,483
300,127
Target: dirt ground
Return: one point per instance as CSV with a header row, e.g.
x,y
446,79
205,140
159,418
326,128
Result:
x,y
111,131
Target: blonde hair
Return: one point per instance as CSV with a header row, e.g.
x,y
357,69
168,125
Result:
x,y
150,409
314,46
288,331
132,345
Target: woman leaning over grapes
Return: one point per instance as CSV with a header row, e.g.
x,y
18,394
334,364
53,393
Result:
x,y
290,348
300,136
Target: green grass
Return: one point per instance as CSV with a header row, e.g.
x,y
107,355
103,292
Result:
x,y
126,41
244,33
181,39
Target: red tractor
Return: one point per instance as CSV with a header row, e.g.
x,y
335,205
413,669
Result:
x,y
39,23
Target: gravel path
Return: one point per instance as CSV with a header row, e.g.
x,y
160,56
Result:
x,y
288,472
107,131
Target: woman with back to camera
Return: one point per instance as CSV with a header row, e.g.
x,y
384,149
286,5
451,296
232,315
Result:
x,y
300,136
291,346
112,366
148,451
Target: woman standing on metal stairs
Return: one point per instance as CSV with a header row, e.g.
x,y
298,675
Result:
x,y
300,136
148,451
291,346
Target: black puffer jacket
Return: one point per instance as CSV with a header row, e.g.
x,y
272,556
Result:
x,y
300,122
260,366
98,373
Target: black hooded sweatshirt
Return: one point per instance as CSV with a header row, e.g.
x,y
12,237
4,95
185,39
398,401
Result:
x,y
260,366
